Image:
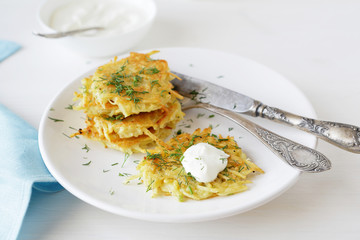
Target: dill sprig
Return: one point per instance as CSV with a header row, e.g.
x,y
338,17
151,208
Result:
x,y
124,174
155,82
70,106
55,120
136,80
86,164
86,147
152,70
114,118
194,94
127,155
149,186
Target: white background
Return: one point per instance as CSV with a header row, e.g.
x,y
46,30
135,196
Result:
x,y
315,44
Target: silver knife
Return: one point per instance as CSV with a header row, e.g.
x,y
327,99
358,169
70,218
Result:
x,y
341,135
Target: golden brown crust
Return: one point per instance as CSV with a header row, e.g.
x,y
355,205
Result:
x,y
128,145
133,125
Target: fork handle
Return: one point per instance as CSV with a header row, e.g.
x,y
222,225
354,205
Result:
x,y
295,154
342,135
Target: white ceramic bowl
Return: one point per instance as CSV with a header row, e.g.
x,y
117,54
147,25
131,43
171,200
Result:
x,y
102,45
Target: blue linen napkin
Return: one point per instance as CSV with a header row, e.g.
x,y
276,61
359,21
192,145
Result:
x,y
21,169
7,48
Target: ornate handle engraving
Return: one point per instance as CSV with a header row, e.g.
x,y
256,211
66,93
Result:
x,y
311,160
342,135
295,154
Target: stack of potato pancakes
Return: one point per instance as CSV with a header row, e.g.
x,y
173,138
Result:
x,y
130,103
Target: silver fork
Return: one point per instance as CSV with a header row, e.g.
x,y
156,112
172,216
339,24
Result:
x,y
297,155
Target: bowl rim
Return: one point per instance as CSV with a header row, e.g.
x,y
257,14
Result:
x,y
149,20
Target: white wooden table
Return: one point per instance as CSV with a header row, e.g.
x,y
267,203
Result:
x,y
315,44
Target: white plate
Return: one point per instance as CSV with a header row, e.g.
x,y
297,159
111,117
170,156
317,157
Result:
x,y
99,182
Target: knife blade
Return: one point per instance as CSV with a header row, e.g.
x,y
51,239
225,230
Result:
x,y
341,135
203,91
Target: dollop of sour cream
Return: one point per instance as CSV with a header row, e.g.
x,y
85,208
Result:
x,y
114,16
204,161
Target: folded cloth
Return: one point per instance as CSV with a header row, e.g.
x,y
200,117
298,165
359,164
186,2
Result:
x,y
7,48
21,169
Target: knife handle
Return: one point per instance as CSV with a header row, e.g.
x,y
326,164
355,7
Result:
x,y
342,135
297,155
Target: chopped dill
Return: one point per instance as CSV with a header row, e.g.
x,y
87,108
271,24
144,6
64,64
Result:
x,y
55,120
86,164
223,160
226,146
192,140
136,80
200,115
153,156
154,82
86,147
127,155
190,189
149,186
70,106
161,94
194,94
142,71
223,139
152,71
175,155
187,183
124,174
115,118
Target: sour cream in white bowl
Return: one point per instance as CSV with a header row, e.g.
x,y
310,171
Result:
x,y
125,23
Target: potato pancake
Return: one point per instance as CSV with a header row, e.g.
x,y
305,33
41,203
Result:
x,y
127,86
162,172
